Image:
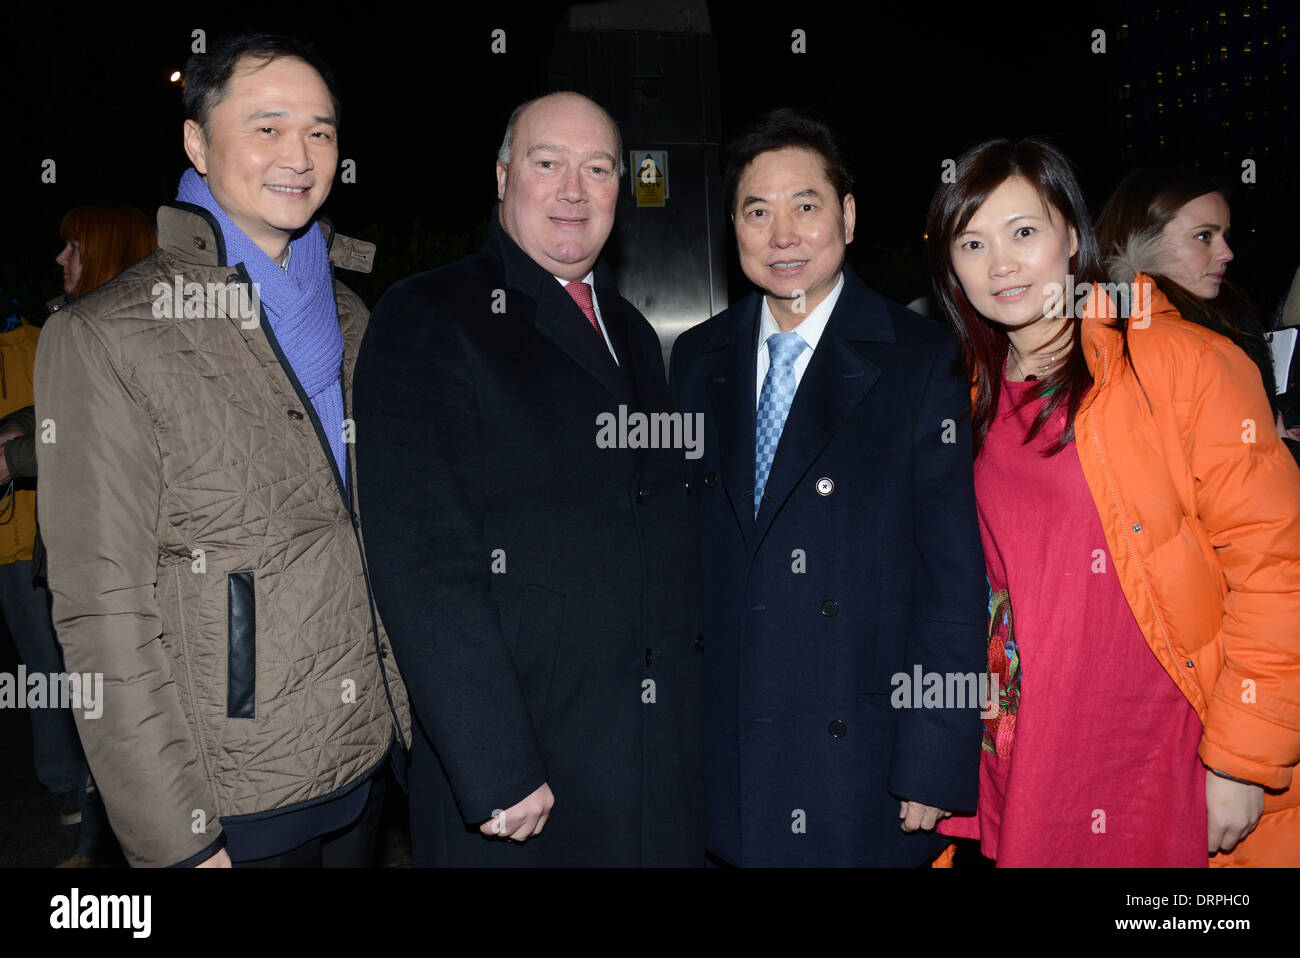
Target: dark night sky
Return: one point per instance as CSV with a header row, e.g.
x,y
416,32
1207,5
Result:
x,y
424,103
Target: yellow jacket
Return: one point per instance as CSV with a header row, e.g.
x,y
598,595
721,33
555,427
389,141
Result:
x,y
17,514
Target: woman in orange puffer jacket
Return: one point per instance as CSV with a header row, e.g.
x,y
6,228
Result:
x,y
1141,526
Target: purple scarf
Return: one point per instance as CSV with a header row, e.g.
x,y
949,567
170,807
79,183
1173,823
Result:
x,y
300,305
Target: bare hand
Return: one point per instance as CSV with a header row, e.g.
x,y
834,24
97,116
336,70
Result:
x,y
1232,810
1281,430
220,860
917,815
523,820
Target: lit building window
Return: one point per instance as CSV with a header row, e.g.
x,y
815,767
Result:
x,y
1223,54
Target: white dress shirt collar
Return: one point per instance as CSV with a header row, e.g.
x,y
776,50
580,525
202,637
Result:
x,y
813,325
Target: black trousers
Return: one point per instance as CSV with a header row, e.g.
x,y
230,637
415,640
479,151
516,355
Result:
x,y
356,846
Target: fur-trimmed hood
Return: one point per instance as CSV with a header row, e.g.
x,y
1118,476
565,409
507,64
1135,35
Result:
x,y
1140,253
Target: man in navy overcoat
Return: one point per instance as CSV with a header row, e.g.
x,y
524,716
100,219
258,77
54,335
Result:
x,y
536,571
840,550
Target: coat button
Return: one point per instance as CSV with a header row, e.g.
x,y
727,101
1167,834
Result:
x,y
686,484
1137,527
641,494
710,479
699,642
199,243
650,657
830,608
1189,664
295,415
233,278
825,486
383,651
837,729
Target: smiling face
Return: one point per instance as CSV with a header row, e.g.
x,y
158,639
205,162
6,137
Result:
x,y
1194,245
1012,249
559,191
70,260
791,230
270,149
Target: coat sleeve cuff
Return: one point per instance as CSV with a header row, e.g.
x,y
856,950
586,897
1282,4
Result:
x,y
212,848
482,806
1232,766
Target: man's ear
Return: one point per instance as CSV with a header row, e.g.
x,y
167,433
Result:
x,y
501,180
196,145
850,217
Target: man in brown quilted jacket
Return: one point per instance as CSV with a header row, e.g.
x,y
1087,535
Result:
x,y
198,500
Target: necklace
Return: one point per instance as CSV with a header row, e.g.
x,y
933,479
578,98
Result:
x,y
1043,367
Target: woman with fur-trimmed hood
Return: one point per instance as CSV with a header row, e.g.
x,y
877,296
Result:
x,y
1173,227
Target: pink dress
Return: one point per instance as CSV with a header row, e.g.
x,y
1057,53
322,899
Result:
x,y
1100,765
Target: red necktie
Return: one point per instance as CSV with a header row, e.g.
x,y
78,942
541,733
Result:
x,y
581,294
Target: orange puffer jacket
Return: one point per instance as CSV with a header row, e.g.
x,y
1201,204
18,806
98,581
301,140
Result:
x,y
1200,504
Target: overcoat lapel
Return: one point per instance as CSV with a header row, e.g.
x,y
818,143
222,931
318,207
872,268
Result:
x,y
557,317
731,396
836,381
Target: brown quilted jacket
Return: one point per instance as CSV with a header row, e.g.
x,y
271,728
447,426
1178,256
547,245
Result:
x,y
203,557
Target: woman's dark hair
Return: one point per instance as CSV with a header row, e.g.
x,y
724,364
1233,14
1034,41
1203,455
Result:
x,y
980,171
207,75
781,129
1142,206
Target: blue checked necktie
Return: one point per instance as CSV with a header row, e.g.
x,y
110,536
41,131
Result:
x,y
773,406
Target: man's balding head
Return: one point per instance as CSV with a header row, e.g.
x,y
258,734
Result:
x,y
507,141
557,181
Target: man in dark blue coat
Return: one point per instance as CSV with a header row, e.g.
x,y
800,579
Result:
x,y
533,551
840,548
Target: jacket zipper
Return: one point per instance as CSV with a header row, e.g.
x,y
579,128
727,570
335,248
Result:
x,y
1128,542
345,492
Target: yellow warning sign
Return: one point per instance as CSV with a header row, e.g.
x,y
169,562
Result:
x,y
650,177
